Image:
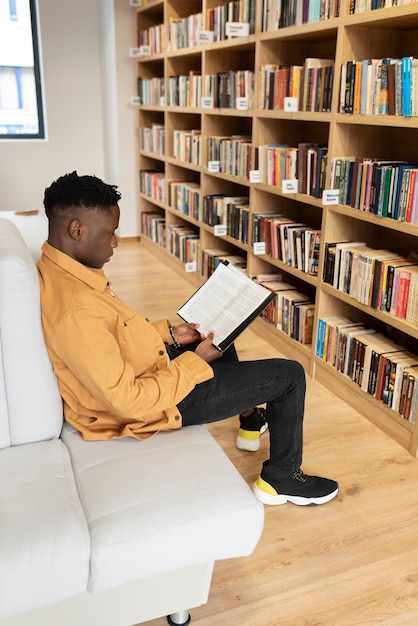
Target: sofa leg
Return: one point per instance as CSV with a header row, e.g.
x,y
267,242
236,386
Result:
x,y
182,618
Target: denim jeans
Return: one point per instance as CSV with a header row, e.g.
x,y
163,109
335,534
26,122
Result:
x,y
240,385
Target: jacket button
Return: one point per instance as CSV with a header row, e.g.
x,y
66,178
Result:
x,y
177,417
161,352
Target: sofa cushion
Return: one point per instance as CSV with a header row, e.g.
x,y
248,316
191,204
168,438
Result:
x,y
30,404
32,225
44,538
158,505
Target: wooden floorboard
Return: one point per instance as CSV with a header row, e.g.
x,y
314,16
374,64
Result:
x,y
351,562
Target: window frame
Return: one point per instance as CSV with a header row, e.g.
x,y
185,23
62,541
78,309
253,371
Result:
x,y
38,77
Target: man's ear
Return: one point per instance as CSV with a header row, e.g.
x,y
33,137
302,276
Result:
x,y
75,229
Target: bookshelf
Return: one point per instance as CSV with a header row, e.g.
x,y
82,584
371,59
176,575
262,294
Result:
x,y
180,169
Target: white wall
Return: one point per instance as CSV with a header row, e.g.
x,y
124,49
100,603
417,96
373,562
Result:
x,y
127,118
90,123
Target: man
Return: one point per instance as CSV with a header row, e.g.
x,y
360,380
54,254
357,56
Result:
x,y
120,375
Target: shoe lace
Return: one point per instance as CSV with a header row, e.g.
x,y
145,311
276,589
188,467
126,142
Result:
x,y
300,476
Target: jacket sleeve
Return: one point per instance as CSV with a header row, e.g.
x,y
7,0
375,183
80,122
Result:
x,y
163,329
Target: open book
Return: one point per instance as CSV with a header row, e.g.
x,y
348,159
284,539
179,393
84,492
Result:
x,y
226,304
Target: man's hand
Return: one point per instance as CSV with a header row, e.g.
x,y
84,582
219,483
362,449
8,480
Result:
x,y
207,351
185,333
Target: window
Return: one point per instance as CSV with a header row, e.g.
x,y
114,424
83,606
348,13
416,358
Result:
x,y
21,110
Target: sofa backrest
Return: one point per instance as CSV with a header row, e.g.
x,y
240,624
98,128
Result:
x,y
30,404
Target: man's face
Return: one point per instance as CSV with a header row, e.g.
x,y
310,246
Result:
x,y
97,238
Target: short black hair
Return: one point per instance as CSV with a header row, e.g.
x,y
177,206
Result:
x,y
72,192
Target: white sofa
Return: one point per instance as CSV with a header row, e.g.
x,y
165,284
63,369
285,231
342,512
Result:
x,y
112,533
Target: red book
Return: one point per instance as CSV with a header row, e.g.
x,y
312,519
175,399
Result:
x,y
410,196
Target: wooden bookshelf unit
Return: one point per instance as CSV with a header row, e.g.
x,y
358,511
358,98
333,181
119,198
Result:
x,y
191,148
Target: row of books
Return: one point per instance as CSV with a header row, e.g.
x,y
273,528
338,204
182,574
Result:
x,y
230,90
305,163
233,90
153,226
151,91
211,257
382,187
174,34
381,279
235,155
295,315
237,11
183,32
153,184
185,91
380,87
185,197
277,163
361,6
183,243
154,38
233,212
152,139
294,243
187,146
231,155
310,84
292,312
279,14
379,366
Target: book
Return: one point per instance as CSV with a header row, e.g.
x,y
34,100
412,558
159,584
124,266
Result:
x,y
376,345
226,304
398,363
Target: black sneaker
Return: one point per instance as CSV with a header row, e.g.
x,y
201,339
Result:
x,y
251,428
298,488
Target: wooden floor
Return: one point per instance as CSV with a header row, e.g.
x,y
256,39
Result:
x,y
351,562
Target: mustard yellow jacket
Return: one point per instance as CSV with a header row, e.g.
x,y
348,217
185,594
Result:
x,y
112,367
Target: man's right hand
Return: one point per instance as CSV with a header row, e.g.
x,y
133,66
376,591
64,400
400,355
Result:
x,y
207,351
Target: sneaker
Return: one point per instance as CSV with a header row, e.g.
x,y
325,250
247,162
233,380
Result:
x,y
298,488
249,438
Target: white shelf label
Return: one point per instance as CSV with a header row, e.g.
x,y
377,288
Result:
x,y
259,247
290,186
330,197
220,230
255,176
135,52
135,100
142,51
207,102
237,29
213,166
242,104
291,104
205,36
190,267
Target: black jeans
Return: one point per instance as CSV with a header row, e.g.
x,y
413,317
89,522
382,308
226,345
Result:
x,y
240,385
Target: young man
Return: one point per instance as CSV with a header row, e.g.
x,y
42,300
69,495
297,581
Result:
x,y
120,375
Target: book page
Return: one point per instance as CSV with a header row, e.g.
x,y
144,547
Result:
x,y
224,302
